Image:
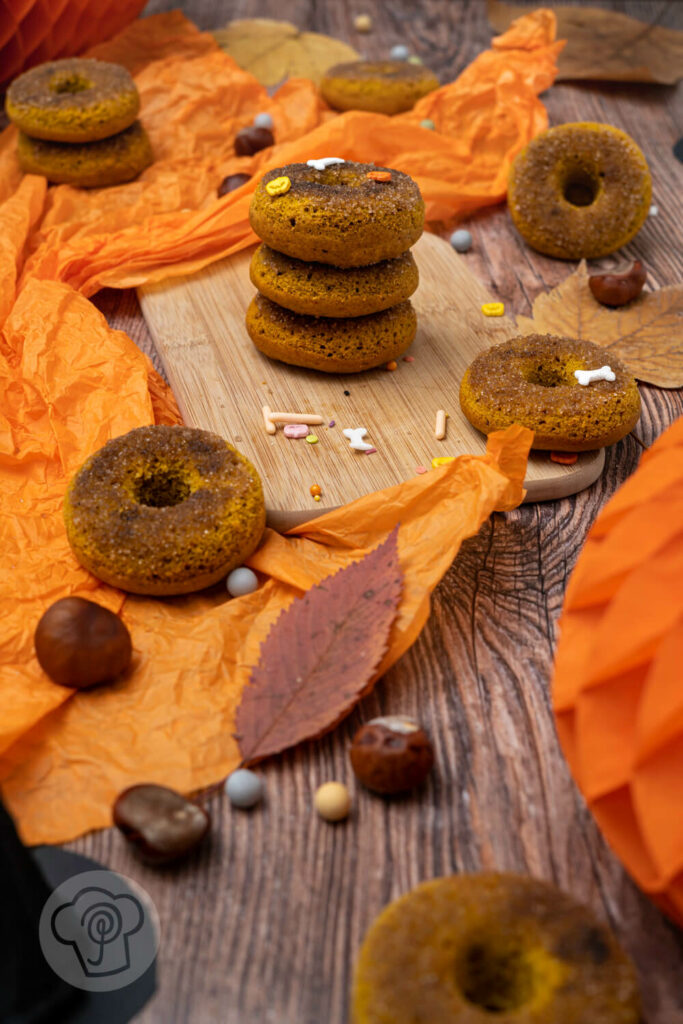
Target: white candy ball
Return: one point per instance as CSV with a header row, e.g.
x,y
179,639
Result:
x,y
399,52
244,788
263,121
241,581
461,240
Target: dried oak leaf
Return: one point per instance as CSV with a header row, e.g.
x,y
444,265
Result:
x,y
605,45
318,658
647,333
275,50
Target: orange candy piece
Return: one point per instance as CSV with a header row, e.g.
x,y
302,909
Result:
x,y
379,175
564,458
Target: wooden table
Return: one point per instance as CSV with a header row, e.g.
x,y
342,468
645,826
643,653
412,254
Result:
x,y
263,925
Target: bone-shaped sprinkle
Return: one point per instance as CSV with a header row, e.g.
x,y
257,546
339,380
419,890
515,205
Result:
x,y
325,161
588,376
355,436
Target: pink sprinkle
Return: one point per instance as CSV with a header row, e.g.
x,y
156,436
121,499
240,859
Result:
x,y
370,451
409,359
420,469
331,423
296,430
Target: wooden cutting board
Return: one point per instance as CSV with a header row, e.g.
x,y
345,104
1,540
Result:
x,y
221,383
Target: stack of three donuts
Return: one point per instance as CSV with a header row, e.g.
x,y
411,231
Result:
x,y
334,274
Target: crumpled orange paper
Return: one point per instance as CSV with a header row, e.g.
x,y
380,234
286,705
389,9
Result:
x,y
617,689
69,383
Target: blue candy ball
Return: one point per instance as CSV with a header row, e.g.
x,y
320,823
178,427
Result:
x,y
244,788
263,121
399,52
428,123
461,240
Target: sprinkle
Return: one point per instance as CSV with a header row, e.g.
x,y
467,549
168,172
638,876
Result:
x,y
414,59
378,175
399,52
440,425
270,426
653,211
312,419
263,121
324,162
315,490
347,392
420,469
316,497
355,436
461,240
331,423
295,430
493,309
586,377
370,451
409,359
564,458
312,439
278,186
392,365
441,460
428,124
362,23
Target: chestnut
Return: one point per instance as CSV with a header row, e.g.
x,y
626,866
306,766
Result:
x,y
251,140
232,182
160,823
391,754
80,644
618,289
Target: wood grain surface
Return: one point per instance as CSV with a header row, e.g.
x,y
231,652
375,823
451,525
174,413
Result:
x,y
263,925
222,383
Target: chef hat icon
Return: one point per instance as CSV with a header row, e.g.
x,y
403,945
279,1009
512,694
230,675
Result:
x,y
98,925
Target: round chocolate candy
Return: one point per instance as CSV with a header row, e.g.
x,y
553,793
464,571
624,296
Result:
x,y
231,183
252,139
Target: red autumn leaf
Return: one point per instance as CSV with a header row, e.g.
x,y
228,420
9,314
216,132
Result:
x,y
318,659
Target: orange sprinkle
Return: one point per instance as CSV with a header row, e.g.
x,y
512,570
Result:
x,y
379,175
409,359
564,458
392,365
315,489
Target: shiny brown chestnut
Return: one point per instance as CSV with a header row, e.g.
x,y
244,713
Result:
x,y
618,289
81,644
232,182
391,754
160,823
252,139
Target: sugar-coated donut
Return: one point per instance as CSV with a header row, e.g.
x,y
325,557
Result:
x,y
579,190
339,215
331,344
164,510
380,86
531,381
89,164
317,289
73,100
474,949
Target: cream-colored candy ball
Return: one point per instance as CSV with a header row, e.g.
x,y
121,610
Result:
x,y
362,23
332,801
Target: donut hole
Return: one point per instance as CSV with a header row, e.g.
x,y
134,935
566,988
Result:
x,y
580,188
69,82
546,375
495,976
161,487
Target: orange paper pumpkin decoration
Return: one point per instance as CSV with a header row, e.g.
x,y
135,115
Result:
x,y
617,689
32,31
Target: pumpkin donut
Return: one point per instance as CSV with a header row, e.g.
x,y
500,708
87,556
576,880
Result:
x,y
531,380
579,190
164,510
110,161
347,215
381,86
474,949
316,289
73,100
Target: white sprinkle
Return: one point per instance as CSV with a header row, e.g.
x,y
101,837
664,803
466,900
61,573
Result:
x,y
325,161
588,376
653,211
355,436
440,425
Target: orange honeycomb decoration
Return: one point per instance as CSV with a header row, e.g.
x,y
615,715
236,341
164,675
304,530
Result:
x,y
33,31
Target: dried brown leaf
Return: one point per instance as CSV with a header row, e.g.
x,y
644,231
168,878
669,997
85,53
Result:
x,y
605,45
647,333
318,659
275,50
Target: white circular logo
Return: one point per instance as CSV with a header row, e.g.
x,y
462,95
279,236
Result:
x,y
99,931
